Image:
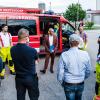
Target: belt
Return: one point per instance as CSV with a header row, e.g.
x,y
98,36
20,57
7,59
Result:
x,y
74,83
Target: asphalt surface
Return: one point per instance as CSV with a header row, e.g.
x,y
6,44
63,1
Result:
x,y
50,89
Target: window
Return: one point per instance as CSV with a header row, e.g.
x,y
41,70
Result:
x,y
67,30
14,26
67,27
2,21
47,22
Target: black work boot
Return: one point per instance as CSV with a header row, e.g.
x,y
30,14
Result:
x,y
12,73
43,71
2,77
51,70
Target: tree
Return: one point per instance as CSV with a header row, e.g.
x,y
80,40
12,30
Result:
x,y
75,13
89,25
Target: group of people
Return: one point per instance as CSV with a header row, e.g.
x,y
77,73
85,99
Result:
x,y
73,68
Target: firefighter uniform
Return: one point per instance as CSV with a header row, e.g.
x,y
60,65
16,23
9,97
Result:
x,y
97,85
6,43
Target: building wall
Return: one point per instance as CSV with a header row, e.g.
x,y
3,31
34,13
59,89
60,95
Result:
x,y
96,19
42,6
93,17
88,17
97,4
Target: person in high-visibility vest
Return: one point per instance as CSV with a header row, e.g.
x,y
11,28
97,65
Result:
x,y
56,28
5,44
97,85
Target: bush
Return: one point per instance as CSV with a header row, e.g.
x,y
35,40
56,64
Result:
x,y
89,25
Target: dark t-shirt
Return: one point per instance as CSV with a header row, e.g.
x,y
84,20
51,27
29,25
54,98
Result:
x,y
24,58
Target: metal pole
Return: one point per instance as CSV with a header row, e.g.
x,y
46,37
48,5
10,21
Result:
x,y
96,5
50,6
77,14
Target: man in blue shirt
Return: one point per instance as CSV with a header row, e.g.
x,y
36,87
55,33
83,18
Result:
x,y
24,58
73,68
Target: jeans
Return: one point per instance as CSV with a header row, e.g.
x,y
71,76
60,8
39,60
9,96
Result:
x,y
30,84
73,92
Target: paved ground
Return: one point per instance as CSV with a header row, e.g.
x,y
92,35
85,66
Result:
x,y
50,89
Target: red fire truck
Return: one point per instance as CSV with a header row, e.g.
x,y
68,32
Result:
x,y
37,24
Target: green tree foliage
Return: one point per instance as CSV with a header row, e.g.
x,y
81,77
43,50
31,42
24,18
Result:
x,y
75,13
89,25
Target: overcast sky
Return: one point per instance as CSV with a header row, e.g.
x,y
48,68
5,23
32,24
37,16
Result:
x,y
57,5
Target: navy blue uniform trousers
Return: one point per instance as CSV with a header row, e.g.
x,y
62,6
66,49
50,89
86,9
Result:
x,y
28,83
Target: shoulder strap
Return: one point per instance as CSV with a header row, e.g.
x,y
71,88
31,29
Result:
x,y
9,34
10,38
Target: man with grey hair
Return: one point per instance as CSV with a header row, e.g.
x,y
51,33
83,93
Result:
x,y
73,68
51,44
24,58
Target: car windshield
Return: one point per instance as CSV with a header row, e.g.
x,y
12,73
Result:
x,y
67,27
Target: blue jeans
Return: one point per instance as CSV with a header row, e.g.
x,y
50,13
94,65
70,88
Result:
x,y
73,92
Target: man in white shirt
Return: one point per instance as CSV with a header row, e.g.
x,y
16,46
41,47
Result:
x,y
73,68
5,44
50,43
